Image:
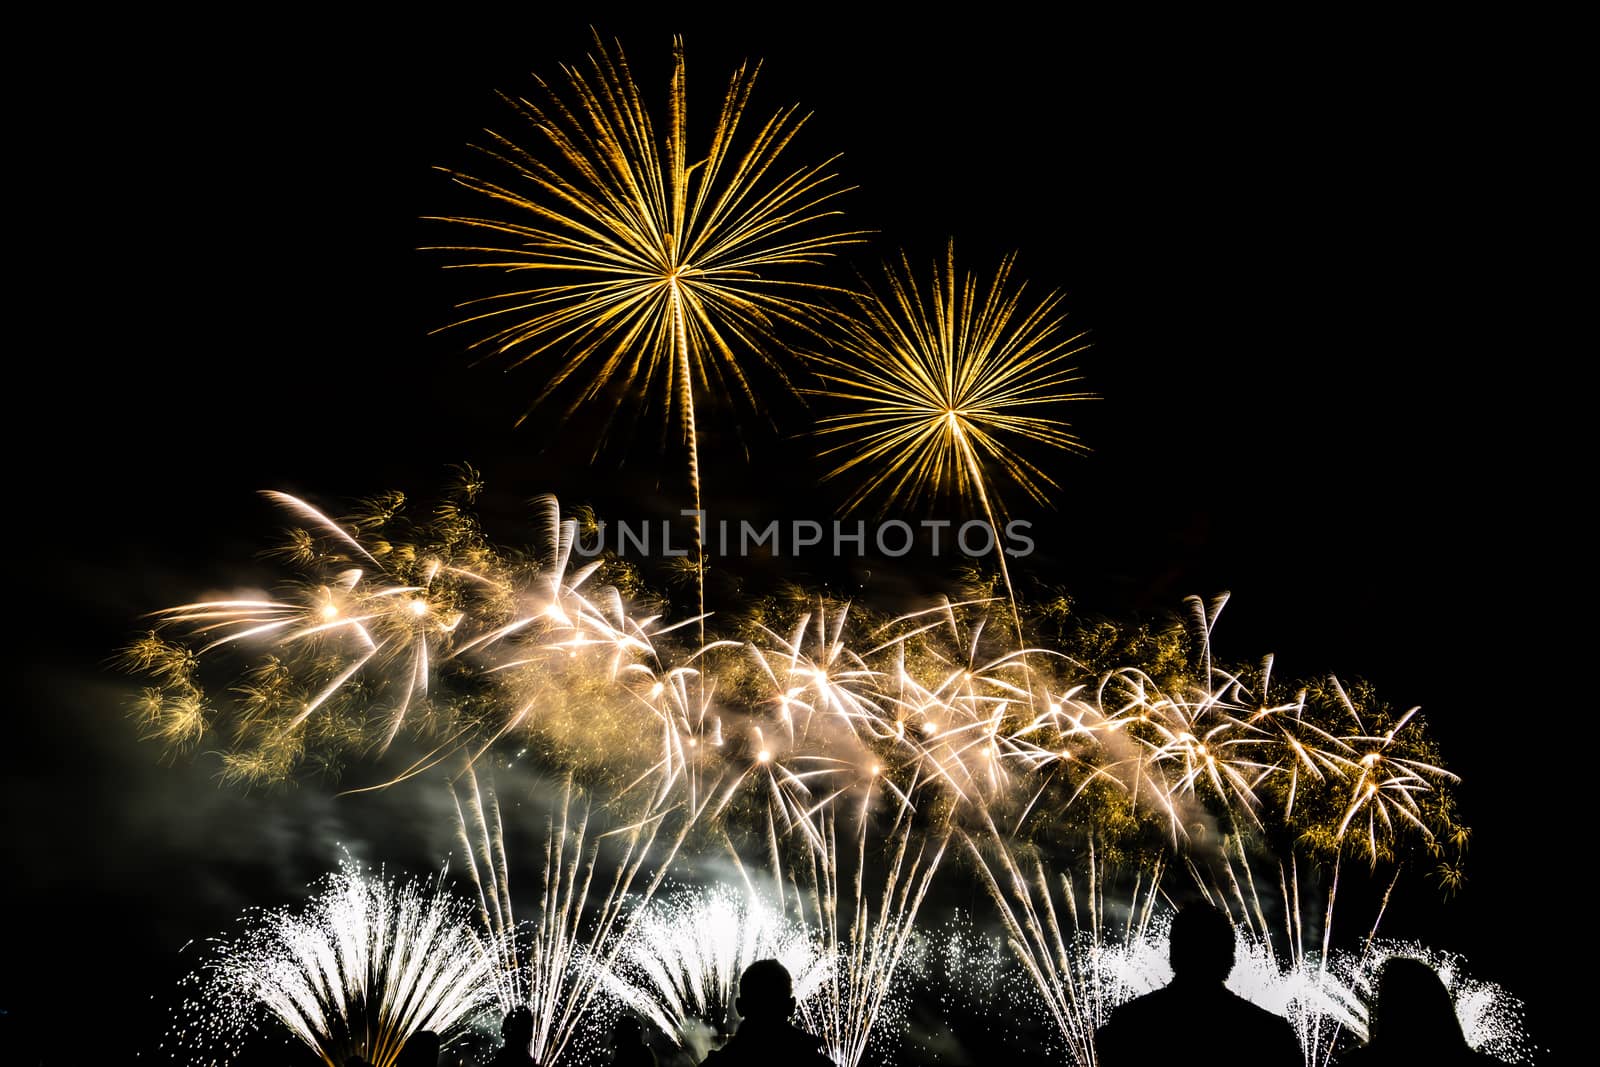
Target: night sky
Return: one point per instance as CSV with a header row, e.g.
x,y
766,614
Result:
x,y
1299,265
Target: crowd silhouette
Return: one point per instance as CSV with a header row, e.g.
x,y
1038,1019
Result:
x,y
1193,1019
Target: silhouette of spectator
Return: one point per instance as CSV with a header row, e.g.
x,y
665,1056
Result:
x,y
421,1051
765,1037
629,1048
1414,1022
1195,1018
517,1031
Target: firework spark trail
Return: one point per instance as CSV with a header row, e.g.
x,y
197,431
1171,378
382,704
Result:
x,y
1185,741
967,726
1386,783
681,966
482,835
361,966
1085,971
824,677
1306,749
399,622
346,639
880,918
652,272
556,964
1191,737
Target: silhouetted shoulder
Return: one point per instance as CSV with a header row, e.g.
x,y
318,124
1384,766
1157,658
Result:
x,y
1268,1034
1126,1037
1177,1022
798,1050
1260,1016
1278,1038
1151,1006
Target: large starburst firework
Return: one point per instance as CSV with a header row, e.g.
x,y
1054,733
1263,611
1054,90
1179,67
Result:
x,y
632,261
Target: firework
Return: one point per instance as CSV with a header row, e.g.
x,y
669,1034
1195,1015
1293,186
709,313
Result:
x,y
1122,744
636,265
942,379
555,965
446,640
1187,740
941,383
814,672
1386,778
1304,749
352,647
681,966
436,632
365,963
1094,952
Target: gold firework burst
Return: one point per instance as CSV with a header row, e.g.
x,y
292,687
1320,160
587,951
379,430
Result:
x,y
627,261
635,266
942,381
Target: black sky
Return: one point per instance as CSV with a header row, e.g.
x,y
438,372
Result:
x,y
1301,250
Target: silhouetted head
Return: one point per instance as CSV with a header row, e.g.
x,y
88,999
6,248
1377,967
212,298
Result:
x,y
1202,944
766,992
627,1031
422,1050
1414,1010
517,1029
